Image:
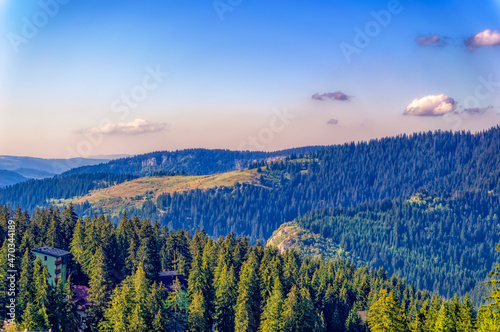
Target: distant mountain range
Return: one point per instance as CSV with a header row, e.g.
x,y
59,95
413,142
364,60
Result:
x,y
98,173
14,169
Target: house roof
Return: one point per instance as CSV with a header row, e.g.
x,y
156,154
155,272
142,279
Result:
x,y
167,278
80,298
51,251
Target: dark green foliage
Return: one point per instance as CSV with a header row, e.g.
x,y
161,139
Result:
x,y
432,241
338,176
189,161
271,292
247,308
34,193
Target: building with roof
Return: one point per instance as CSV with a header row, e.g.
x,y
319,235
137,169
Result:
x,y
56,261
167,278
82,304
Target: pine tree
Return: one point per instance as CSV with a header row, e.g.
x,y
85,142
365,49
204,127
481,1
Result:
x,y
272,316
25,284
386,315
98,290
248,302
467,316
443,320
291,311
225,299
197,318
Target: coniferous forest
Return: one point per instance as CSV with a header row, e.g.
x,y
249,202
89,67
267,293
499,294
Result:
x,y
232,285
417,217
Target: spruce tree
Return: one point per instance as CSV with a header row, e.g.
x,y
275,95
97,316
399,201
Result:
x,y
119,311
291,311
354,322
225,299
386,315
98,289
177,303
25,284
197,317
71,318
488,319
141,316
443,320
467,316
248,302
272,316
308,316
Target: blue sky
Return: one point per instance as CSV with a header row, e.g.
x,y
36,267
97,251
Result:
x,y
235,67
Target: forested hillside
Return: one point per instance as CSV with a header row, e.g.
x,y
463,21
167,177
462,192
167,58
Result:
x,y
443,244
9,177
232,285
189,161
34,193
337,176
443,235
80,181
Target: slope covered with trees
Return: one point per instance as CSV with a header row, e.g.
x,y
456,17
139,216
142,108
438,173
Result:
x,y
8,178
440,244
338,176
189,161
81,180
232,285
428,242
34,193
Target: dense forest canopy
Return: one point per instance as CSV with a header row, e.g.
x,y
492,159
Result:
x,y
443,244
338,176
189,161
232,285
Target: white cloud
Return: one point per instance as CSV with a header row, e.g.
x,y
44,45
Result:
x,y
484,38
136,127
434,105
